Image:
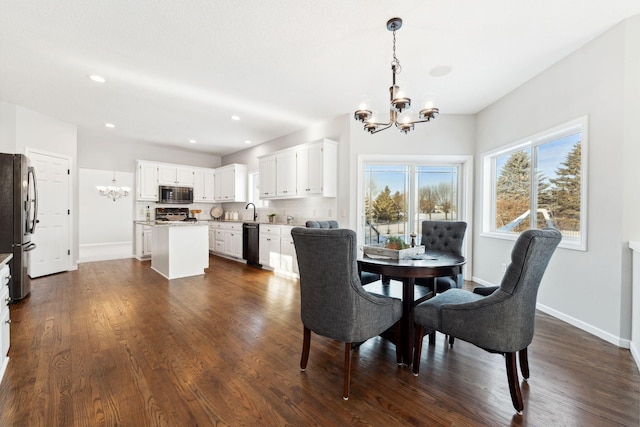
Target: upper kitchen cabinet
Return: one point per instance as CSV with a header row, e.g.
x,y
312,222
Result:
x,y
231,183
267,171
317,169
203,185
300,171
147,181
175,175
286,174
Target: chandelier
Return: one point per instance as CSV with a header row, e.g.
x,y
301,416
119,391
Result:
x,y
399,102
112,191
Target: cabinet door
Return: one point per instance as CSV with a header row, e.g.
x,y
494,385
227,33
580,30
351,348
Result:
x,y
302,172
146,242
286,174
212,239
288,259
184,176
233,243
147,181
267,172
5,332
315,168
167,175
203,185
270,250
224,185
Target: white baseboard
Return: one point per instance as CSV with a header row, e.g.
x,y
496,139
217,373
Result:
x,y
635,352
105,251
613,339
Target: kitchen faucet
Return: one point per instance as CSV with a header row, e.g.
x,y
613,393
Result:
x,y
255,215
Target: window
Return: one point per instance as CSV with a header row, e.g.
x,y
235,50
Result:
x,y
397,195
254,190
544,174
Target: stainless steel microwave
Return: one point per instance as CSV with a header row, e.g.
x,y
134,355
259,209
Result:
x,y
175,195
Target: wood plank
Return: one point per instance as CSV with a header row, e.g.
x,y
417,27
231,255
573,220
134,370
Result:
x,y
113,343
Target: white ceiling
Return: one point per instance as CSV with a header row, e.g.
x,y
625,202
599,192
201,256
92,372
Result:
x,y
177,70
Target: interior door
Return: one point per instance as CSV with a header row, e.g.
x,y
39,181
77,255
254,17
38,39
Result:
x,y
52,236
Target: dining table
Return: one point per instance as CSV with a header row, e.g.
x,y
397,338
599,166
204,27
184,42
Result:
x,y
429,265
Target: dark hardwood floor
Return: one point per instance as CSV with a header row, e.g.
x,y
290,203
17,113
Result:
x,y
115,344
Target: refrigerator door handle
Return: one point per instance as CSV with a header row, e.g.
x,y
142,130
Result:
x,y
32,176
30,247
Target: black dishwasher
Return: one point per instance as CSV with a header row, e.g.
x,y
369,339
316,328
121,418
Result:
x,y
250,242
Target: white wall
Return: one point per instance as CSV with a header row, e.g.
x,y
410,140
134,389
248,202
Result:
x,y
587,289
305,208
99,150
105,225
22,128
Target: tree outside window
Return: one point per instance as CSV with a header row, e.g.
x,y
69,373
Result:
x,y
550,166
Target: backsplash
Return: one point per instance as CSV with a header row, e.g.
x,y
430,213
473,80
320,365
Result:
x,y
303,209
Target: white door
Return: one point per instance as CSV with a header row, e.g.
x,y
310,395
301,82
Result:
x,y
53,244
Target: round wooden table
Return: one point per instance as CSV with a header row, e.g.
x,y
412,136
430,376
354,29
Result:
x,y
432,264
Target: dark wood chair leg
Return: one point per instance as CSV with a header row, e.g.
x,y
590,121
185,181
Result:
x,y
417,348
347,370
514,386
398,334
432,338
524,363
306,343
451,340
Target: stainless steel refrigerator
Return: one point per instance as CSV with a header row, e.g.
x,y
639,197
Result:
x,y
18,218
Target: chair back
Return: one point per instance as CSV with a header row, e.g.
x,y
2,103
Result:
x,y
444,236
516,297
331,295
322,224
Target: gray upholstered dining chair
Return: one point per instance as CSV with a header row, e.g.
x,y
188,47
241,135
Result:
x,y
365,276
332,301
443,236
501,322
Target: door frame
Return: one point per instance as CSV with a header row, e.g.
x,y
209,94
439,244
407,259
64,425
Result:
x,y
70,201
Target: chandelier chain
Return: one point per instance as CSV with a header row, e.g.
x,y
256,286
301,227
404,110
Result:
x,y
395,63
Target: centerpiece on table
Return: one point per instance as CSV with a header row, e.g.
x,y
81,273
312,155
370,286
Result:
x,y
394,248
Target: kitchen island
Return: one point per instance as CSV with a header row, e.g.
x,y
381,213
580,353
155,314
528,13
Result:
x,y
179,248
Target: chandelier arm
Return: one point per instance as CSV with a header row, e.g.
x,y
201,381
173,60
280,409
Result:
x,y
386,126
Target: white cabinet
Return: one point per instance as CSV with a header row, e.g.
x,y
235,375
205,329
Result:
x,y
203,185
269,246
212,238
317,169
267,170
231,183
5,319
286,174
277,251
147,241
175,175
144,242
227,237
147,181
300,171
288,257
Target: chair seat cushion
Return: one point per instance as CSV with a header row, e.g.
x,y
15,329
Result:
x,y
427,314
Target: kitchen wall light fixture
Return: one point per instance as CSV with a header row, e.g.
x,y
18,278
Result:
x,y
399,102
112,191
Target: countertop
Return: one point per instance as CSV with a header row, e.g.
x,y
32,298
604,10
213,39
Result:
x,y
172,223
213,221
5,258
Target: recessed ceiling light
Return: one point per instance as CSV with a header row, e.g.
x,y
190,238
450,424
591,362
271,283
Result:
x,y
247,142
110,125
235,118
98,79
193,141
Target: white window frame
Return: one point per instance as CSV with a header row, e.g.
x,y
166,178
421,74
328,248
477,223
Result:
x,y
489,174
465,179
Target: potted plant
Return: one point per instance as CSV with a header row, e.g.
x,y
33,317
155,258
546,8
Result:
x,y
395,242
272,217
